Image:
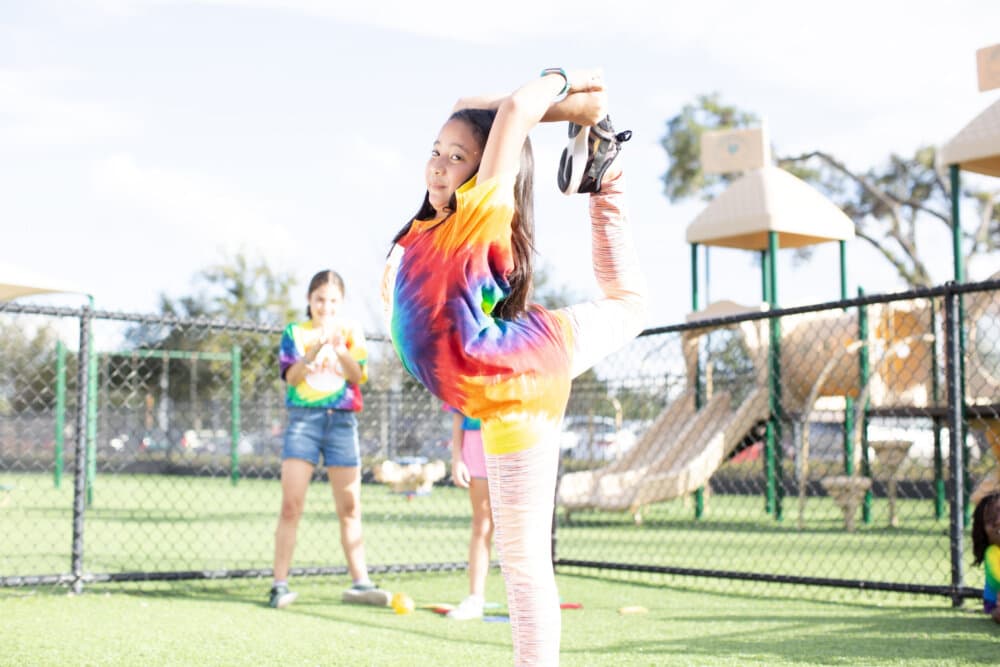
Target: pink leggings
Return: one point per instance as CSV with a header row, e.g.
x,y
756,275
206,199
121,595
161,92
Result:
x,y
522,484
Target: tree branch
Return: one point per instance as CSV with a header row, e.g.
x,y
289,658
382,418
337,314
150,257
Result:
x,y
836,164
981,237
892,205
916,276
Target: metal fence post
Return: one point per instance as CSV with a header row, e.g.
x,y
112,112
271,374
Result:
x,y
234,464
91,414
953,381
57,472
939,488
82,437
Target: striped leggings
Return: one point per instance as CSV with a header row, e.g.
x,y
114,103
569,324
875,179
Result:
x,y
522,484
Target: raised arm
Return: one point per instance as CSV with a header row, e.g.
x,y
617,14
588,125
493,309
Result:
x,y
584,108
520,111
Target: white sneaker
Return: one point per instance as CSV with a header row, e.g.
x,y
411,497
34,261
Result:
x,y
469,609
367,594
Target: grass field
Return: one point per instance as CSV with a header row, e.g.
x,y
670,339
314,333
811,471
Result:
x,y
228,623
164,523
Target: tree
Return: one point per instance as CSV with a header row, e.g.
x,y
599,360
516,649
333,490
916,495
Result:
x,y
887,202
28,372
237,290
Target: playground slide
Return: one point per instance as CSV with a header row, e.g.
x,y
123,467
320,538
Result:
x,y
576,489
688,455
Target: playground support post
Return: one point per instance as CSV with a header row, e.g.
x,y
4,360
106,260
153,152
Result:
x,y
765,288
848,401
956,409
60,434
864,372
234,465
959,265
80,461
956,224
843,269
699,390
773,455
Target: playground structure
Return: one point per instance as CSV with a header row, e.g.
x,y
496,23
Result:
x,y
410,477
882,358
976,148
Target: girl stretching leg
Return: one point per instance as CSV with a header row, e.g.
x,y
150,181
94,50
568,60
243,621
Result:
x,y
456,289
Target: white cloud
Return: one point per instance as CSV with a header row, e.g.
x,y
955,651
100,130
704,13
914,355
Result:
x,y
191,205
448,19
37,116
366,161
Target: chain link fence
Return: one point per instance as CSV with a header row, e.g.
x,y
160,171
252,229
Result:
x,y
842,444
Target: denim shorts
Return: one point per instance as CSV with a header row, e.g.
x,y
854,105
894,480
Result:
x,y
312,431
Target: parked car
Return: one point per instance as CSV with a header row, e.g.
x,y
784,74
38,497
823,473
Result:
x,y
826,439
586,437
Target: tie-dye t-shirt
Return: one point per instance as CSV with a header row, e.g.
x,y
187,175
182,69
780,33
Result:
x,y
468,423
326,387
991,563
511,374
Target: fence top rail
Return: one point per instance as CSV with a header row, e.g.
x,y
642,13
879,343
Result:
x,y
199,322
35,309
866,300
950,287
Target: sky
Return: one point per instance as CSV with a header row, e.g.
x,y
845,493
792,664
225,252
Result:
x,y
144,140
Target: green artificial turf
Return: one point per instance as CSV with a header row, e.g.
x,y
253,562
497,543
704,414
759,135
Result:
x,y
160,523
163,523
228,623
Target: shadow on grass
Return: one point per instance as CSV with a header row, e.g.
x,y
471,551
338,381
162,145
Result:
x,y
896,635
320,606
777,592
709,627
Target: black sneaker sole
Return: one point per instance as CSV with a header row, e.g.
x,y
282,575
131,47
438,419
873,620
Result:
x,y
603,155
573,161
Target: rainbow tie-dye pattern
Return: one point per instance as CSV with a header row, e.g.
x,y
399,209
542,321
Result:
x,y
513,375
327,388
468,423
991,564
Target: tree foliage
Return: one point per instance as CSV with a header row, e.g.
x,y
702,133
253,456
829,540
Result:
x,y
240,289
28,381
887,203
236,290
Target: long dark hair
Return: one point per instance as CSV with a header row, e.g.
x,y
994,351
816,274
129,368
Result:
x,y
480,121
324,277
979,539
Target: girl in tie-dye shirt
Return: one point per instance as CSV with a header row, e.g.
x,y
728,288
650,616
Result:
x,y
986,549
456,288
323,361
